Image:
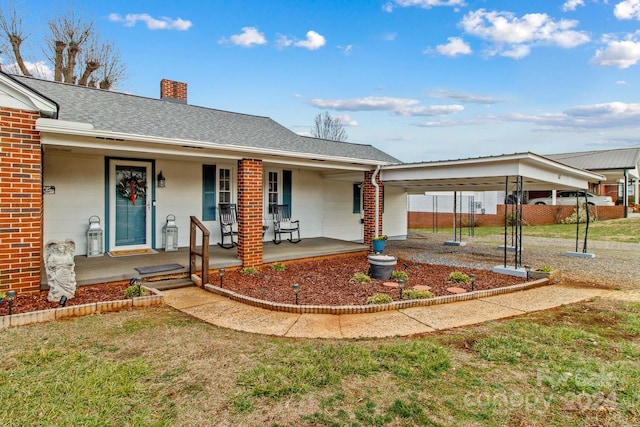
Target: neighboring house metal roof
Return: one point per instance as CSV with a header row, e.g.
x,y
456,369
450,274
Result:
x,y
136,115
624,158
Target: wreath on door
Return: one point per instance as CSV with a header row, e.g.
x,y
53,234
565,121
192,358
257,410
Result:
x,y
131,187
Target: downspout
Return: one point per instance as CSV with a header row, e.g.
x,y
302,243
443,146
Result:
x,y
377,199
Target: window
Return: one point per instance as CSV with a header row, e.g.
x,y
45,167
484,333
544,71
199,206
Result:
x,y
224,186
357,198
272,190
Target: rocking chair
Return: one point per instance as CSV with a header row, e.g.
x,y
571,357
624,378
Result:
x,y
228,225
283,224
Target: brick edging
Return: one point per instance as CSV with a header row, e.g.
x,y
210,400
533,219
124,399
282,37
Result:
x,y
373,308
59,313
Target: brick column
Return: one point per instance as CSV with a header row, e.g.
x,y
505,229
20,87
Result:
x,y
369,196
20,201
250,212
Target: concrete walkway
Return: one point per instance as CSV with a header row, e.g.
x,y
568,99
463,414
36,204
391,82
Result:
x,y
225,313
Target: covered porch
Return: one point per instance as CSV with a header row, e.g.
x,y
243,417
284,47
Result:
x,y
106,269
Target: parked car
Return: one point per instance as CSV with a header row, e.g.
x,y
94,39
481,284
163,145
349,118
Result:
x,y
569,198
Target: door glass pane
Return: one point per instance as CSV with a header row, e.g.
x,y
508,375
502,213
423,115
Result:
x,y
131,205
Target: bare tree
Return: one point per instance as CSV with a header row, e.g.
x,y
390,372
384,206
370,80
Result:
x,y
13,34
72,46
327,127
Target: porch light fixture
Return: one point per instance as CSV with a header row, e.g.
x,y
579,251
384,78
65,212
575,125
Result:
x,y
11,296
162,181
527,268
95,237
170,234
221,272
472,277
296,289
401,286
63,300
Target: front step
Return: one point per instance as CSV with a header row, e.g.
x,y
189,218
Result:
x,y
163,285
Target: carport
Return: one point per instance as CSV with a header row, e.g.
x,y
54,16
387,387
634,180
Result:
x,y
511,173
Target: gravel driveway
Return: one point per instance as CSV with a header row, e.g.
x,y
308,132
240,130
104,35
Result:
x,y
615,265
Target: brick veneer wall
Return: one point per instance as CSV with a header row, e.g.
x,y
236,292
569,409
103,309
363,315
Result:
x,y
173,90
20,201
531,214
369,198
250,212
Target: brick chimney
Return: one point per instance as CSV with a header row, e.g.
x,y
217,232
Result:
x,y
173,91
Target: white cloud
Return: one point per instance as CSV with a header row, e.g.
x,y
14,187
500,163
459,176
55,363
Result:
x,y
622,83
463,97
346,120
572,5
346,50
250,36
38,69
588,117
513,36
389,37
455,47
398,106
618,53
314,41
425,4
627,9
164,23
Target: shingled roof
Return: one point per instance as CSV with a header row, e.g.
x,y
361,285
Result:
x,y
135,115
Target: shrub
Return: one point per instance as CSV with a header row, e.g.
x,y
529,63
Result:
x,y
381,237
546,269
574,217
135,291
249,271
360,278
379,299
459,277
278,266
417,294
399,275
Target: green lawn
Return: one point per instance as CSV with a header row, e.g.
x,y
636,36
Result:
x,y
617,230
577,365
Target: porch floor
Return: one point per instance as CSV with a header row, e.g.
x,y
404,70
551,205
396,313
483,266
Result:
x,y
106,269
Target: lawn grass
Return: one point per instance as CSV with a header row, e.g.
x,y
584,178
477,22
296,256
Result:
x,y
576,365
616,230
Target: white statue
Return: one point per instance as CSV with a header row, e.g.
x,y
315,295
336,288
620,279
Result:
x,y
60,268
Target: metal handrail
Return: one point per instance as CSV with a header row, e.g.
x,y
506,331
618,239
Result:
x,y
193,252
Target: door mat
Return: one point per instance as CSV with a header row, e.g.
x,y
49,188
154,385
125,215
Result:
x,y
158,268
132,252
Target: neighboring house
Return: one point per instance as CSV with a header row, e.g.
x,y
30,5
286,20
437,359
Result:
x,y
95,152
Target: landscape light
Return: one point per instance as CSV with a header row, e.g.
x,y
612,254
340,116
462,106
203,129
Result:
x,y
527,268
401,286
221,272
473,282
11,296
296,289
63,300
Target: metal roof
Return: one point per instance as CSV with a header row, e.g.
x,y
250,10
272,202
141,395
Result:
x,y
624,158
135,115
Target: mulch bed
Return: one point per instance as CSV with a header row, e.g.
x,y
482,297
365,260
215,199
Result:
x,y
323,281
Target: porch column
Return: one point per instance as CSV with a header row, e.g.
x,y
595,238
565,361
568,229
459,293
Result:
x,y
369,199
250,212
20,201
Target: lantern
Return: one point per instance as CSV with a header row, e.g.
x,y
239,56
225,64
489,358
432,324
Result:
x,y
170,234
95,245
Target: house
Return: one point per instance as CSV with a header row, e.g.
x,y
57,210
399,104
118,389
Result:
x,y
71,154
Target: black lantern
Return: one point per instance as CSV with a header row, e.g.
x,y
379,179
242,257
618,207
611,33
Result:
x,y
162,181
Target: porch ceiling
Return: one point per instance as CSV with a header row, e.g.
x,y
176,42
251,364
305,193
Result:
x,y
486,174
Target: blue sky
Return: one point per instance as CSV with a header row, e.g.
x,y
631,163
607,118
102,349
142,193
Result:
x,y
420,79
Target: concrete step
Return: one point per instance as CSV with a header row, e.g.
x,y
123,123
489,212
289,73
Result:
x,y
163,285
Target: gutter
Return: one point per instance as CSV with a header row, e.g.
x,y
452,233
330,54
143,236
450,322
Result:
x,y
377,187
